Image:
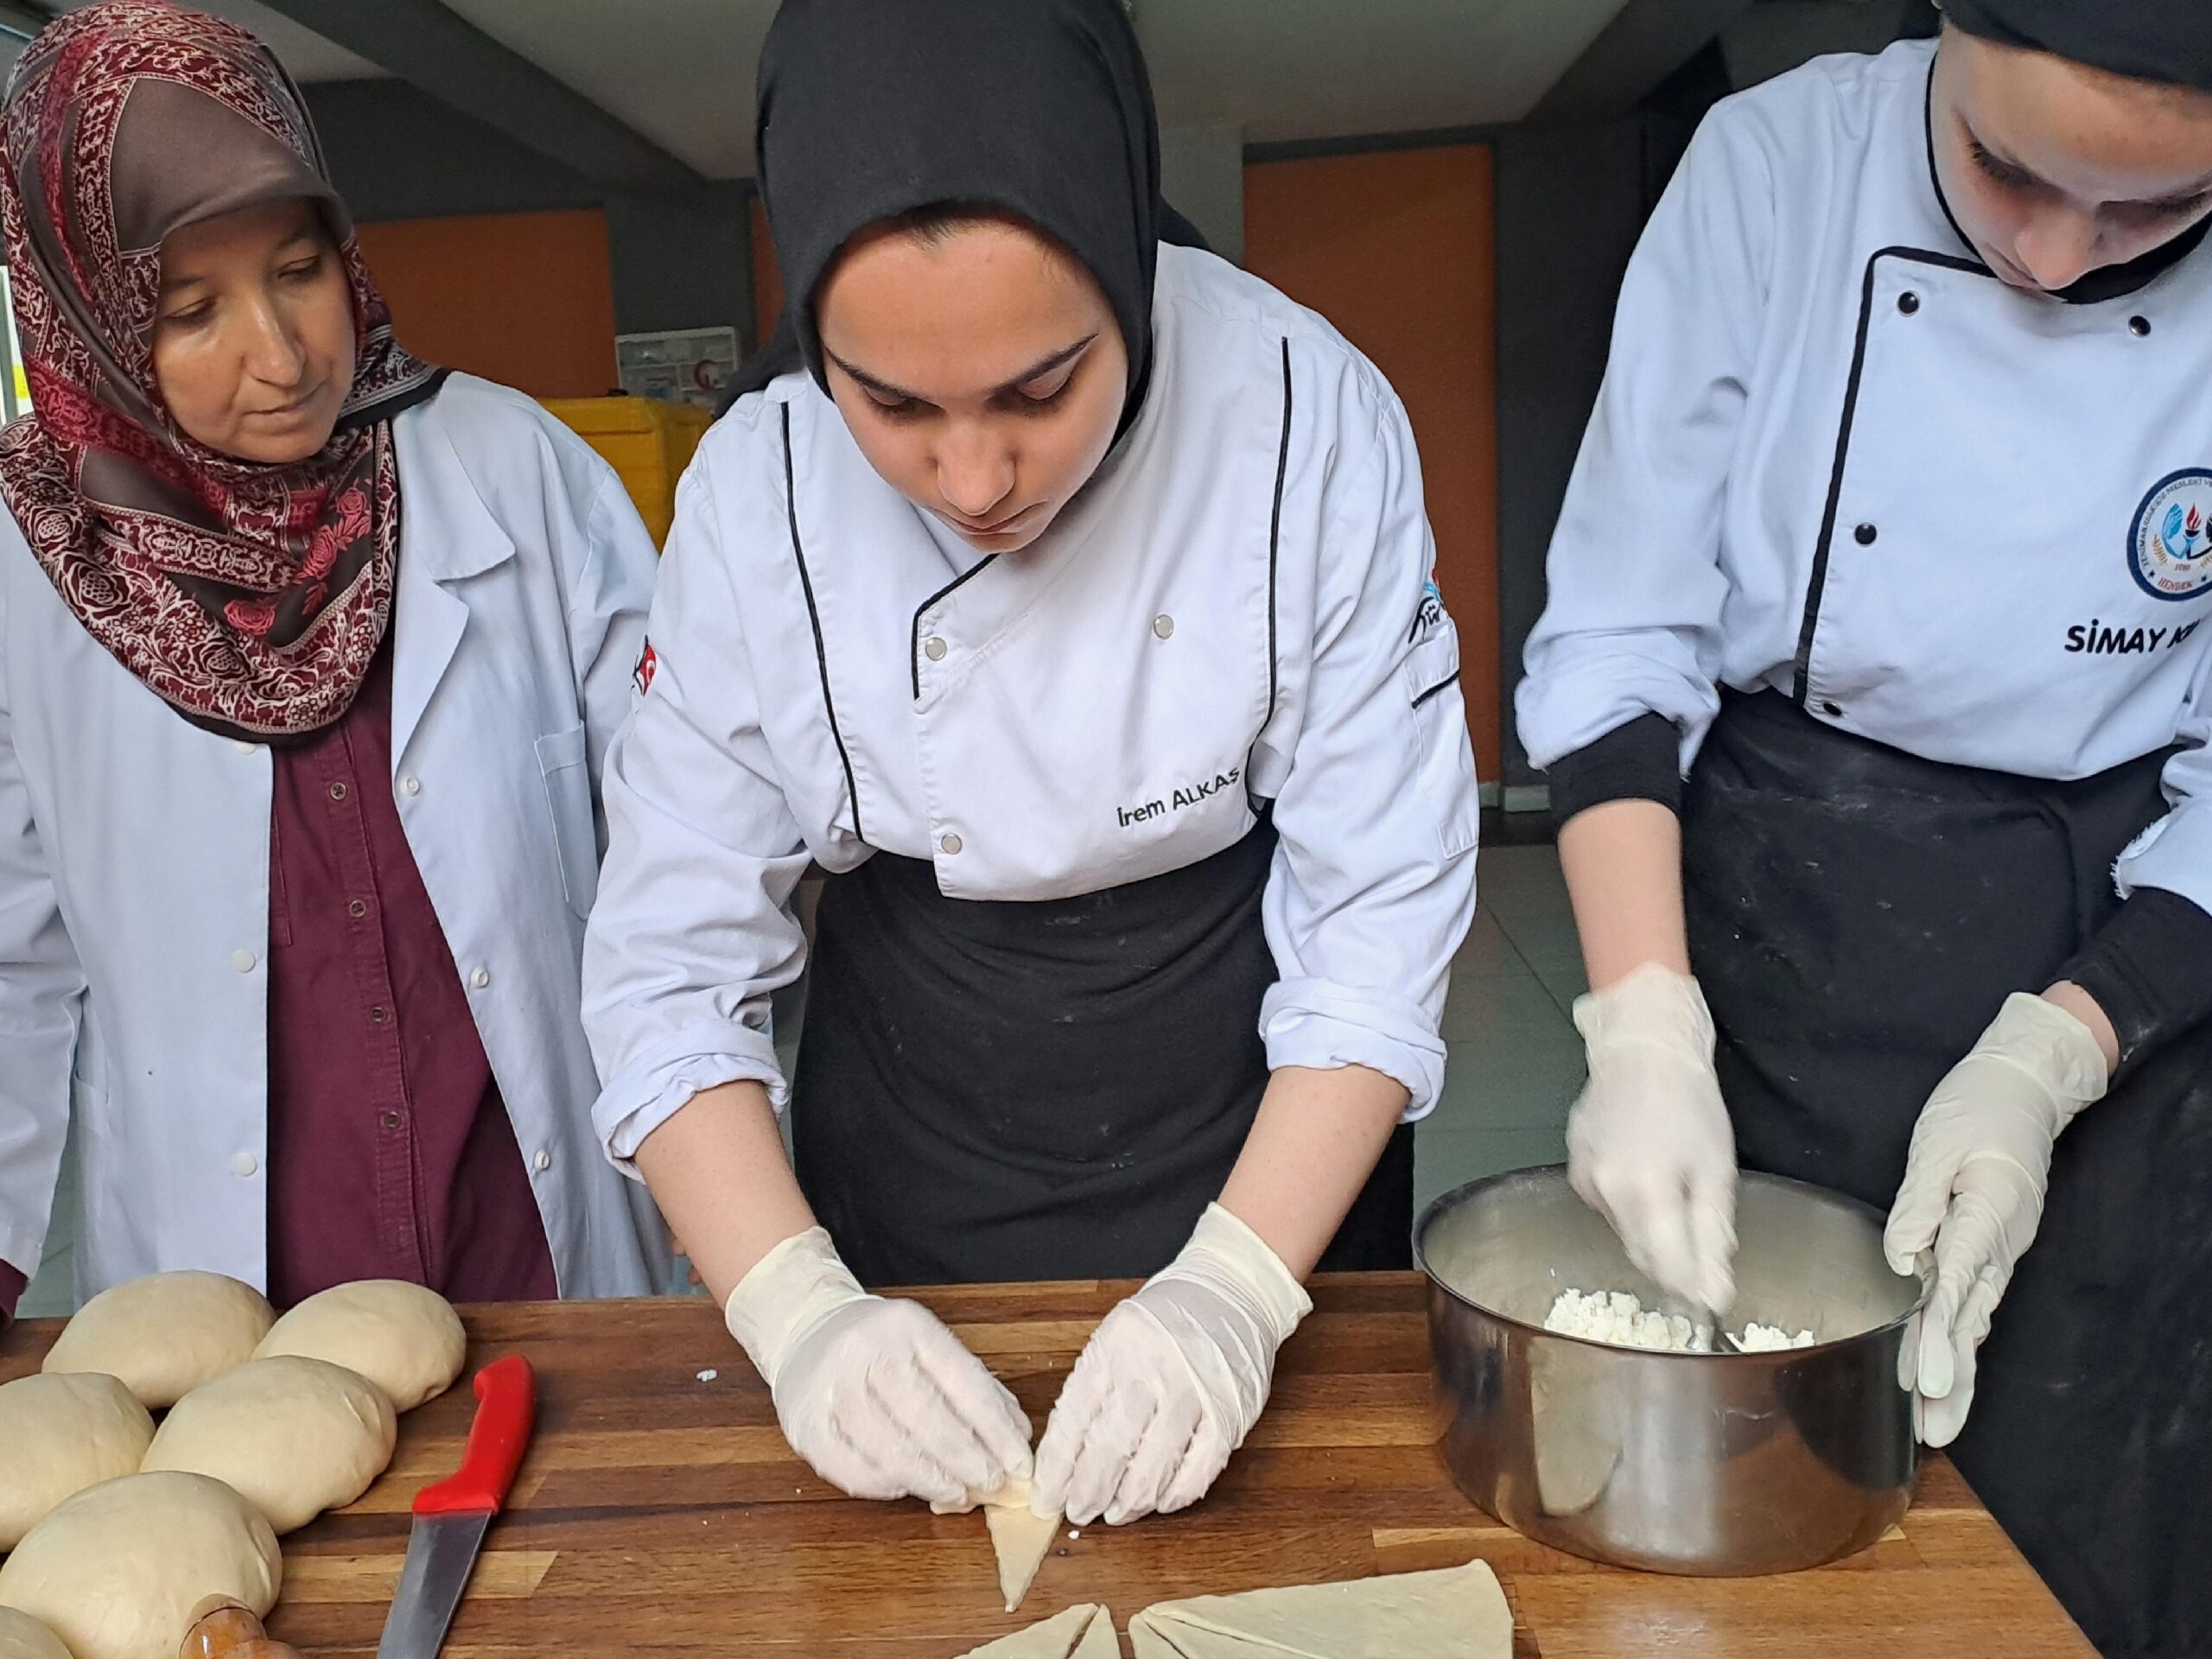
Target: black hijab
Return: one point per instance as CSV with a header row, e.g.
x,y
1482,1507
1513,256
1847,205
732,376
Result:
x,y
2150,40
869,109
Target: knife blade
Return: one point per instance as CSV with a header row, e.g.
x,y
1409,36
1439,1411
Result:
x,y
452,1515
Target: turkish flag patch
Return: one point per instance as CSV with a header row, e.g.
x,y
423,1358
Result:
x,y
642,675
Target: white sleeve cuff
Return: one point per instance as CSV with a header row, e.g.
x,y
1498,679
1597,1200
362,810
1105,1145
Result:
x,y
660,1082
1325,1025
2175,853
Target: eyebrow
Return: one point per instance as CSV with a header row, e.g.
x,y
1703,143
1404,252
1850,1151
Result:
x,y
2190,195
1043,365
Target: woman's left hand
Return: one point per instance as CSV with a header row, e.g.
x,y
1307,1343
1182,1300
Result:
x,y
1171,1381
1974,1190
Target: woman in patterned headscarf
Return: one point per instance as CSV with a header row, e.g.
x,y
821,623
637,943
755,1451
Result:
x,y
309,655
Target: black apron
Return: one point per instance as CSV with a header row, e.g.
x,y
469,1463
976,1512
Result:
x,y
1856,917
1043,1090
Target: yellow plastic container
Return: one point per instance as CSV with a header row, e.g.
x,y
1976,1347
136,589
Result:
x,y
646,440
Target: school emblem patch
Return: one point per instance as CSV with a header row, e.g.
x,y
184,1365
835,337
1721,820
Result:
x,y
2170,547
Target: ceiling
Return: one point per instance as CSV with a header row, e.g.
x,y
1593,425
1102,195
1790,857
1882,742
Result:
x,y
680,72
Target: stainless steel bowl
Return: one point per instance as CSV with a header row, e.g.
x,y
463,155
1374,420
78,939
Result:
x,y
1713,1464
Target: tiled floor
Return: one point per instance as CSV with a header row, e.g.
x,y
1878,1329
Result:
x,y
1515,1061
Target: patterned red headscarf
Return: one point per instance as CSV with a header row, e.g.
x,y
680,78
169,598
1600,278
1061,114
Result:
x,y
253,598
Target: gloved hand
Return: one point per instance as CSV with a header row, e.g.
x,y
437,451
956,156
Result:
x,y
1974,1190
1171,1381
877,1395
1648,1145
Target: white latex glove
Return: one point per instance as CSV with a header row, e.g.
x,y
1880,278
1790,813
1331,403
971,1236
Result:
x,y
1648,1145
877,1395
1974,1190
1171,1381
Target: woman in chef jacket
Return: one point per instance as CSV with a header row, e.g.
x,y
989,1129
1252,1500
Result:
x,y
309,655
1073,609
1893,532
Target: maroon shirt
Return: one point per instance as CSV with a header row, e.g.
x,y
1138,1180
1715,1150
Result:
x,y
390,1155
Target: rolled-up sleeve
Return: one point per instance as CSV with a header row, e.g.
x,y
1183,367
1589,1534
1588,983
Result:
x,y
2176,852
694,928
1631,622
1373,887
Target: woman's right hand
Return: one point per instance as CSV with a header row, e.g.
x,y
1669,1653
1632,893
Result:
x,y
1649,1143
876,1394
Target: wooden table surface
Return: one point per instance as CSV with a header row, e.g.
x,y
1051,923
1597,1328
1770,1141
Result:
x,y
659,1512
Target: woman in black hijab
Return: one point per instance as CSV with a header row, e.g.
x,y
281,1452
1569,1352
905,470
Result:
x,y
1073,608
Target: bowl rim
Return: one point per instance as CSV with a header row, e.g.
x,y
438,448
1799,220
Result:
x,y
1467,1190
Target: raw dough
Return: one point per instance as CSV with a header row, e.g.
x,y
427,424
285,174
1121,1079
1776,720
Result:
x,y
1085,1632
1021,1539
1460,1613
63,1434
23,1636
404,1338
116,1570
292,1436
164,1335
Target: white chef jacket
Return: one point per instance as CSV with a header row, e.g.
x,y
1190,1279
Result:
x,y
134,865
1834,456
1239,607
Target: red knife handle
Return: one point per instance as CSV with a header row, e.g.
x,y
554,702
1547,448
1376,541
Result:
x,y
506,1407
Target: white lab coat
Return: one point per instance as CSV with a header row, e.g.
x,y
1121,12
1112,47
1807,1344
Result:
x,y
134,865
1834,456
1238,608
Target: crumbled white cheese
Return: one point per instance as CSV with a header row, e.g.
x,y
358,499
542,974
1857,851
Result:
x,y
708,1376
1618,1318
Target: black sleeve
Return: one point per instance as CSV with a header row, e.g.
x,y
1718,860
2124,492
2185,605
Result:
x,y
2146,969
1640,761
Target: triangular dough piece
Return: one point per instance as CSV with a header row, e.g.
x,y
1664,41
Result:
x,y
1022,1540
1064,1635
1098,1640
1458,1613
1149,1642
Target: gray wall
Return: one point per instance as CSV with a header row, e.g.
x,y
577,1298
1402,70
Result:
x,y
680,260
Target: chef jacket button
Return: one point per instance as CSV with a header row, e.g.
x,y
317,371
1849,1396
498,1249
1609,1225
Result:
x,y
245,747
243,961
1866,535
357,908
1163,625
244,1164
950,844
1832,709
543,1162
2139,327
338,792
391,1122
412,785
933,648
480,978
1908,302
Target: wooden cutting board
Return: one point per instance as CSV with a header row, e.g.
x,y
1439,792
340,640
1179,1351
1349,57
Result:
x,y
660,1513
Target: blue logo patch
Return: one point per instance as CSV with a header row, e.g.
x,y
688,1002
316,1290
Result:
x,y
2169,547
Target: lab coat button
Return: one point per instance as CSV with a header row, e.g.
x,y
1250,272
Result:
x,y
245,747
544,1161
1866,535
244,1164
1833,710
2139,326
243,961
480,978
950,844
1163,625
1908,302
933,648
412,785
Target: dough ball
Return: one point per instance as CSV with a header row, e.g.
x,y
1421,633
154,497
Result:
x,y
23,1636
166,1334
116,1570
404,1338
293,1437
63,1434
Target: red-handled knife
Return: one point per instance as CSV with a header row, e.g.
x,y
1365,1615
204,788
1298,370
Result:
x,y
451,1517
